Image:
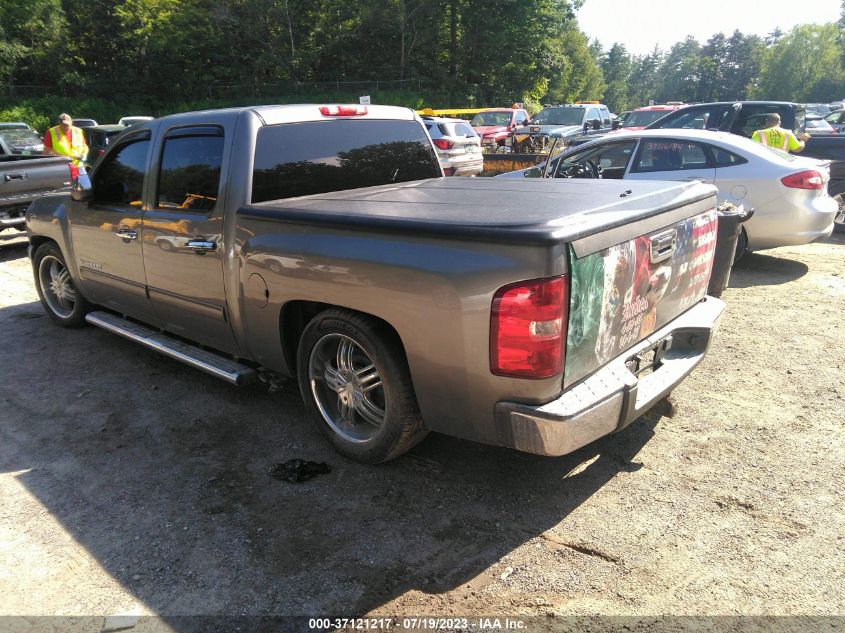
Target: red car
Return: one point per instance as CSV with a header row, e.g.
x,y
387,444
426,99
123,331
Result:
x,y
496,124
642,117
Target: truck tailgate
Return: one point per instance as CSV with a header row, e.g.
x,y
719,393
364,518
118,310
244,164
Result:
x,y
623,293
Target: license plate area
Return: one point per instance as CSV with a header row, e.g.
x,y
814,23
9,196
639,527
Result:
x,y
650,359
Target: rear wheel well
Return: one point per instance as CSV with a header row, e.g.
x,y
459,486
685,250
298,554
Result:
x,y
295,315
38,240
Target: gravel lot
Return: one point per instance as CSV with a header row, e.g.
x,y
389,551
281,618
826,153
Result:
x,y
133,484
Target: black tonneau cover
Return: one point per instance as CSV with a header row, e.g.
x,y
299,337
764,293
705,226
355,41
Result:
x,y
593,214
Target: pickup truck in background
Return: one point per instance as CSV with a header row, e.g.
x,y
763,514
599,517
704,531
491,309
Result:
x,y
568,121
26,177
495,125
324,243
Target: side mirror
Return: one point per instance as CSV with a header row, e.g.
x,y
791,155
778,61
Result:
x,y
80,188
617,125
533,172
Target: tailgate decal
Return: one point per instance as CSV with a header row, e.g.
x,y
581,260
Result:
x,y
622,294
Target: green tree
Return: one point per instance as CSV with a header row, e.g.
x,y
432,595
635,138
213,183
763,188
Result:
x,y
680,73
31,41
616,68
741,65
645,78
798,64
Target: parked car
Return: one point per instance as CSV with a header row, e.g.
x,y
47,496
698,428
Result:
x,y
458,146
126,121
788,193
83,123
822,109
565,121
836,119
20,140
816,125
98,139
20,125
526,314
495,125
641,117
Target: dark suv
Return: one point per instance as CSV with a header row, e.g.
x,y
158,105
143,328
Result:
x,y
737,117
98,139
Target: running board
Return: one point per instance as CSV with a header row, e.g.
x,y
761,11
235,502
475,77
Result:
x,y
225,368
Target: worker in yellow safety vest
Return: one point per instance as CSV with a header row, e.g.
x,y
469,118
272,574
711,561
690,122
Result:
x,y
773,135
65,140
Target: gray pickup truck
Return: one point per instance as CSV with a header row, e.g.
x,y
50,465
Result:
x,y
25,174
323,243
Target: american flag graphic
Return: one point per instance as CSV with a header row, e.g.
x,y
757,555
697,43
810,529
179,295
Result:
x,y
703,245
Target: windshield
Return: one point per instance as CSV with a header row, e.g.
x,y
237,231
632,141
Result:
x,y
491,118
818,108
818,124
559,116
646,117
17,137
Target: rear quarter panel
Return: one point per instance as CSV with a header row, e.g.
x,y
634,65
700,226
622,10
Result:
x,y
435,293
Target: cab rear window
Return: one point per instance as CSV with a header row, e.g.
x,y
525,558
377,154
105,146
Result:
x,y
301,159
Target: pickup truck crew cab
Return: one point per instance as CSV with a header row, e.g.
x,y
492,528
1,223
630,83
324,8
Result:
x,y
322,242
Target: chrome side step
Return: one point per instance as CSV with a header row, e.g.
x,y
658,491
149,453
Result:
x,y
219,366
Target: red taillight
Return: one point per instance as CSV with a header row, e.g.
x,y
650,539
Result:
x,y
442,143
74,172
101,152
528,328
343,110
809,179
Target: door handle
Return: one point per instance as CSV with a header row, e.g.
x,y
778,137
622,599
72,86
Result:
x,y
663,246
18,175
200,246
127,234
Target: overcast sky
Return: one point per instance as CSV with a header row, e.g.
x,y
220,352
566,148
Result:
x,y
640,24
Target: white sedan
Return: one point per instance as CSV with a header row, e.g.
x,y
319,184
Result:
x,y
787,192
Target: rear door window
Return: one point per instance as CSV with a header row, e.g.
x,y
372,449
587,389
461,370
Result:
x,y
190,171
300,159
457,129
724,158
670,155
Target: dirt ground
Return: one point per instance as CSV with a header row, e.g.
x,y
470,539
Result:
x,y
131,484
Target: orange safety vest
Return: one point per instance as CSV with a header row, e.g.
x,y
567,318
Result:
x,y
77,150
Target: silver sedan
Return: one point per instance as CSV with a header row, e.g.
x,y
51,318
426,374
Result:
x,y
788,193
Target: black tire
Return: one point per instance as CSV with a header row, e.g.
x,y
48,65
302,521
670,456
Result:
x,y
335,397
741,245
65,306
839,220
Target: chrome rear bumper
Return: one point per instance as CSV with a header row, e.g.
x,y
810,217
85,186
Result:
x,y
613,397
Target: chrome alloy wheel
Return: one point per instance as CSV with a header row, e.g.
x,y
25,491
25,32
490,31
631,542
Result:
x,y
347,388
56,286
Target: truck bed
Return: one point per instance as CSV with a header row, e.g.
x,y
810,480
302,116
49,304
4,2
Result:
x,y
593,214
24,179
